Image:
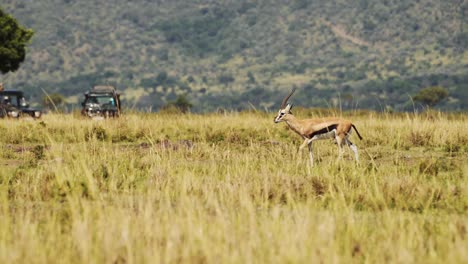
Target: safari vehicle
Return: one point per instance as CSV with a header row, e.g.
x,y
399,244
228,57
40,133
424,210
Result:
x,y
13,104
101,101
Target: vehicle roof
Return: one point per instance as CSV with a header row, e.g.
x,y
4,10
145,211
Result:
x,y
11,92
103,89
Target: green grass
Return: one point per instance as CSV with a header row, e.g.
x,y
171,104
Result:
x,y
231,188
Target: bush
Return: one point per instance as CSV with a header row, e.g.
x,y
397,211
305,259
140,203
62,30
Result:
x,y
430,96
53,101
181,104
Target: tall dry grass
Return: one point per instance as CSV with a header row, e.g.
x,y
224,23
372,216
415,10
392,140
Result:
x,y
231,188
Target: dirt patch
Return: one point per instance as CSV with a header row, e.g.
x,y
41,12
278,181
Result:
x,y
340,32
10,163
21,148
167,144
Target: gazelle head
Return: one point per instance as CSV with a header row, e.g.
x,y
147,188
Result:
x,y
285,108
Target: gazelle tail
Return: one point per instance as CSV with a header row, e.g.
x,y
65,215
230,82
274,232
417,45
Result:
x,y
357,132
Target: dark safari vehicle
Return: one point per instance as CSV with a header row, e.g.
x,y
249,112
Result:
x,y
101,101
13,104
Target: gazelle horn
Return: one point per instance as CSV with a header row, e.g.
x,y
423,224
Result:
x,y
285,100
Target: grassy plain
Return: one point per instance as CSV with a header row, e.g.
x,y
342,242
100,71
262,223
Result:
x,y
231,188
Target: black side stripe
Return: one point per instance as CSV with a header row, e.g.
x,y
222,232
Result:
x,y
357,132
323,130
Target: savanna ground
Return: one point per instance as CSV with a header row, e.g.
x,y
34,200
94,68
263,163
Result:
x,y
231,188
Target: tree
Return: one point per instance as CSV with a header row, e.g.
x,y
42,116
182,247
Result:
x,y
181,104
431,95
226,78
251,77
161,78
13,40
53,100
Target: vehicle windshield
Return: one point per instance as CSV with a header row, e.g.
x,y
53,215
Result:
x,y
23,102
10,100
101,100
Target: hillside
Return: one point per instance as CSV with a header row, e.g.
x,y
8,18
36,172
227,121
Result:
x,y
234,54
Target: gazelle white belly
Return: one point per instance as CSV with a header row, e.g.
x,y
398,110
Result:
x,y
326,135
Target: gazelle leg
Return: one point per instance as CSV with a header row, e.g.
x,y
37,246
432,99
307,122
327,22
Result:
x,y
302,147
339,142
353,148
311,154
306,141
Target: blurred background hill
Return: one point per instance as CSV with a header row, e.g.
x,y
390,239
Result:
x,y
239,54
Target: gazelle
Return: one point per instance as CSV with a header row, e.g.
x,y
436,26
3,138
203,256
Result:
x,y
318,128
